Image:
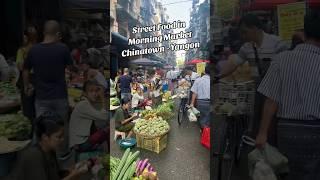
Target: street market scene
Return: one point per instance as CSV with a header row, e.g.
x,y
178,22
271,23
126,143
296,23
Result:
x,y
53,91
159,100
265,89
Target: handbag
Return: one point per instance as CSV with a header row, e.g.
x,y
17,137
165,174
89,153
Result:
x,y
205,137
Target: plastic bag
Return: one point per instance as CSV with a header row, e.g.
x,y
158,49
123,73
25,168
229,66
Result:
x,y
195,111
277,161
205,137
262,171
191,116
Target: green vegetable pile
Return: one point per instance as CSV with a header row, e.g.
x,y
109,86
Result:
x,y
114,163
151,127
126,167
15,126
7,88
114,101
165,110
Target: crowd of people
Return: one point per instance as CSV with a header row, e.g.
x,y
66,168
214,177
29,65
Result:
x,y
47,69
143,88
287,98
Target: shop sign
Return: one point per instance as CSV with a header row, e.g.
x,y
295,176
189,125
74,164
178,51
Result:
x,y
290,19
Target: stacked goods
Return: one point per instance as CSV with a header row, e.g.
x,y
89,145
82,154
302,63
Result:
x,y
8,89
144,171
114,163
152,128
165,110
114,101
126,167
149,114
14,126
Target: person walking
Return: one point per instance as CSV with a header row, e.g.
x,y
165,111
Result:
x,y
201,97
30,38
258,51
171,76
48,60
125,83
291,86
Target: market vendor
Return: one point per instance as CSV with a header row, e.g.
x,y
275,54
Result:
x,y
123,120
91,72
137,97
39,162
201,96
85,135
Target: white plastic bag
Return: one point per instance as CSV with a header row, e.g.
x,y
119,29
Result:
x,y
195,111
262,171
192,117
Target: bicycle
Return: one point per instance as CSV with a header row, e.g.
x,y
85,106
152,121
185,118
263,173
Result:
x,y
233,125
183,108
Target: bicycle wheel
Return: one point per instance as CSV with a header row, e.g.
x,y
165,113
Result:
x,y
181,111
180,114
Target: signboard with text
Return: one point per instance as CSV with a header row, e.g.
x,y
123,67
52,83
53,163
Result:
x,y
201,67
290,19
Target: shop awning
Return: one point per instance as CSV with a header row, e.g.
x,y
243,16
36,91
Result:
x,y
145,62
266,4
120,42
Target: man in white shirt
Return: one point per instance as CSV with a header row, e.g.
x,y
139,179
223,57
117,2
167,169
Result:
x,y
201,96
171,76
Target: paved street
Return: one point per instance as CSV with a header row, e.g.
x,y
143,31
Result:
x,y
184,158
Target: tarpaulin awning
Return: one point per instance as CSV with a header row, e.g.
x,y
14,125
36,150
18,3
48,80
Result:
x,y
196,61
145,62
266,4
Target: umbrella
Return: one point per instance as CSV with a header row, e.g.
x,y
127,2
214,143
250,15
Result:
x,y
196,61
145,62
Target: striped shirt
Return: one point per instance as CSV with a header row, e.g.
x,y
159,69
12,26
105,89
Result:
x,y
270,46
293,82
201,87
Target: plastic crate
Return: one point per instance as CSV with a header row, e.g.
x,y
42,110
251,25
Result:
x,y
155,144
238,94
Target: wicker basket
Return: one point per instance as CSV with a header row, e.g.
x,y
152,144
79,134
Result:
x,y
237,94
152,143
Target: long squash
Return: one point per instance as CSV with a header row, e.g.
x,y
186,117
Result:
x,y
122,163
128,163
130,171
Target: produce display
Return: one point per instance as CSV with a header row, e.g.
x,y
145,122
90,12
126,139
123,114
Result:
x,y
129,167
126,167
7,88
151,128
144,171
14,126
165,111
114,101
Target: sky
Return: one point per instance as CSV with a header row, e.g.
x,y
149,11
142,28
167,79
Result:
x,y
178,10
